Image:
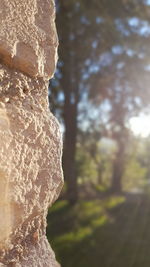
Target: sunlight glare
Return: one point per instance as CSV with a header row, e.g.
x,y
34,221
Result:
x,y
140,125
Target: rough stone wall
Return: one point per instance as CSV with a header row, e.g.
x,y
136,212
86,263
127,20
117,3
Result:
x,y
30,139
28,39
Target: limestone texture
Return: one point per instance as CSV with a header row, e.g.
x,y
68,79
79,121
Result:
x,y
30,140
28,39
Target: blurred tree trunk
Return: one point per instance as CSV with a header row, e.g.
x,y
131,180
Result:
x,y
70,87
69,163
118,164
120,135
99,177
100,171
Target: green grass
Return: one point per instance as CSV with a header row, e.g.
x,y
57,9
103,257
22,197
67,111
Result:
x,y
113,232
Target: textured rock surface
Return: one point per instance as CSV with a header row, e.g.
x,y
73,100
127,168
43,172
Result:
x,y
30,139
28,39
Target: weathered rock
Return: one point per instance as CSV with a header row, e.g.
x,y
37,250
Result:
x,y
28,39
30,139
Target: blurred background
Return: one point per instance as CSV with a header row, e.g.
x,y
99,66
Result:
x,y
101,95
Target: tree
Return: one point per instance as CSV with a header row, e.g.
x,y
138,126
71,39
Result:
x,y
70,35
126,80
78,27
100,45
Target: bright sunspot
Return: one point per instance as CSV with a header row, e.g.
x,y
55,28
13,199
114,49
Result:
x,y
140,125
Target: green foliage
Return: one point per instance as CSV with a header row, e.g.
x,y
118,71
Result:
x,y
136,170
134,177
72,229
86,167
110,232
94,161
94,164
